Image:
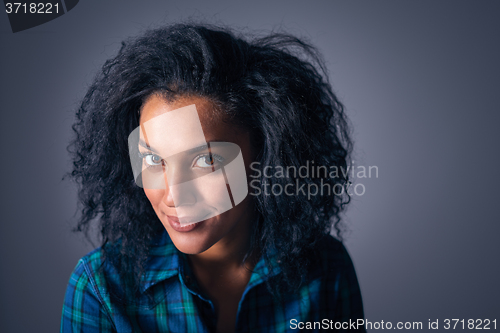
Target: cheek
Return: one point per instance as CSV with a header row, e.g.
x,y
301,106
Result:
x,y
154,196
211,191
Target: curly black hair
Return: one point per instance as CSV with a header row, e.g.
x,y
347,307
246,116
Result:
x,y
276,87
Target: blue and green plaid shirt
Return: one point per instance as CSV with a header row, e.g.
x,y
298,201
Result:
x,y
330,294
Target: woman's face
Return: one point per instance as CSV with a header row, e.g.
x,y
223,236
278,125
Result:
x,y
175,200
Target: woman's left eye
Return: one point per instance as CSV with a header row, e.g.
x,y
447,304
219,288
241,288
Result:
x,y
208,161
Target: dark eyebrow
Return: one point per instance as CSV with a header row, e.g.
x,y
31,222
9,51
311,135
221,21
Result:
x,y
195,149
145,145
192,150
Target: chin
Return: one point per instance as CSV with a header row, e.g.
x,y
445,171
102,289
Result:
x,y
192,242
189,246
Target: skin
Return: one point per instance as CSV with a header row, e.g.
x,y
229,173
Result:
x,y
217,247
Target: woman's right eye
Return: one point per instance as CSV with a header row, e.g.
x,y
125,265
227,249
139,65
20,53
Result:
x,y
152,160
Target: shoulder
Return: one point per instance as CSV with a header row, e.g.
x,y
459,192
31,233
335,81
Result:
x,y
86,267
333,254
95,298
339,280
91,263
90,267
336,264
89,275
100,267
85,306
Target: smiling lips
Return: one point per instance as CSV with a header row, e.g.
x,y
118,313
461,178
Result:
x,y
176,224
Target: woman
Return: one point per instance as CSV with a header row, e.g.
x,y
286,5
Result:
x,y
190,150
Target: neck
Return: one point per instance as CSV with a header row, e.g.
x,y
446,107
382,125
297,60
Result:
x,y
229,252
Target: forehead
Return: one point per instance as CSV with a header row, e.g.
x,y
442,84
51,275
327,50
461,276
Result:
x,y
156,112
156,105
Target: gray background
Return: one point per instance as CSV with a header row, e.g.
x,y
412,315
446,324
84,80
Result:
x,y
421,83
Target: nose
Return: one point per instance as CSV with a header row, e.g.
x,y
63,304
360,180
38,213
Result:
x,y
175,194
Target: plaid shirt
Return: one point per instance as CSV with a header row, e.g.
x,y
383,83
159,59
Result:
x,y
330,294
